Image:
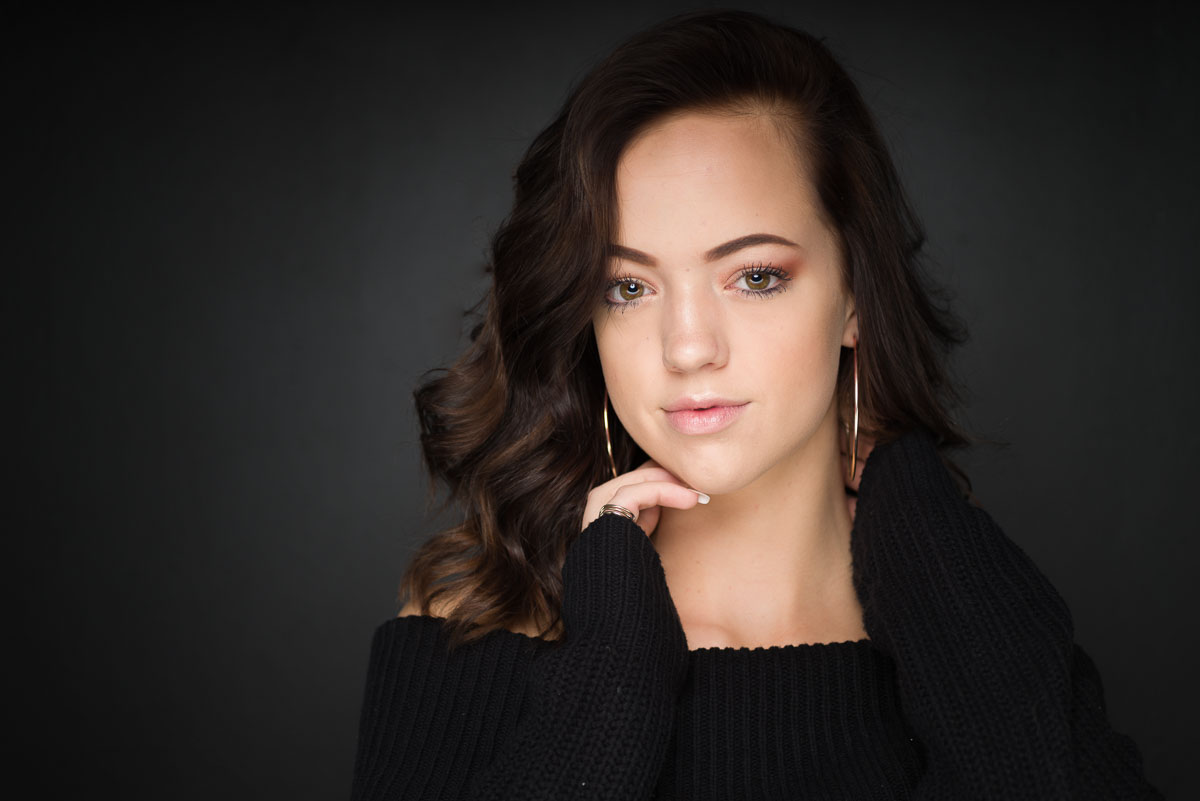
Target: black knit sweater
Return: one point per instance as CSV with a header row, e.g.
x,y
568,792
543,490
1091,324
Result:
x,y
970,686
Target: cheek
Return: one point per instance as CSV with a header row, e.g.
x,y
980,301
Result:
x,y
624,362
797,355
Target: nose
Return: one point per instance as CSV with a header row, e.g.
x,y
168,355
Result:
x,y
693,336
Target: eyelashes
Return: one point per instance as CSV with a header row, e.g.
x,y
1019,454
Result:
x,y
776,281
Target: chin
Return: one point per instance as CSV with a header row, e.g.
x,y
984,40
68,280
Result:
x,y
719,477
716,484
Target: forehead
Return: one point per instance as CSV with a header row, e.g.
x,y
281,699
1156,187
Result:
x,y
712,173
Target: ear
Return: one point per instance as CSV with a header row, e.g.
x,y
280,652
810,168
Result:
x,y
850,329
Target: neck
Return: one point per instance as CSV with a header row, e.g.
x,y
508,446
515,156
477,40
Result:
x,y
770,562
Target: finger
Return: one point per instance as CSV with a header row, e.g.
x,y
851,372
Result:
x,y
645,495
636,497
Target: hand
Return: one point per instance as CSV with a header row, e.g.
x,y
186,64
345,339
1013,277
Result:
x,y
642,491
865,446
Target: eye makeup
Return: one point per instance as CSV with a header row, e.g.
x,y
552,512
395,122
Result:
x,y
759,272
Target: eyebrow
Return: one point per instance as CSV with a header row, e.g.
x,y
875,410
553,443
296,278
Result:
x,y
719,252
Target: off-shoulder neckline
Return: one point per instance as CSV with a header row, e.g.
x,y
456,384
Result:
x,y
798,649
859,644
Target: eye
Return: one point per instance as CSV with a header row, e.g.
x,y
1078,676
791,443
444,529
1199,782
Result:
x,y
625,292
757,280
762,280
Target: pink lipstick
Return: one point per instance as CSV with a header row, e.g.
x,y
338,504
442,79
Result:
x,y
694,417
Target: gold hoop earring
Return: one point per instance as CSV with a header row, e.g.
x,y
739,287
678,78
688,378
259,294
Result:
x,y
854,446
607,438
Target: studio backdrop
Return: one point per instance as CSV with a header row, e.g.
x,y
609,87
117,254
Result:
x,y
238,238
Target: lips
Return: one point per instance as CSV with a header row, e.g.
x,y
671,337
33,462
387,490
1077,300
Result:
x,y
701,401
687,419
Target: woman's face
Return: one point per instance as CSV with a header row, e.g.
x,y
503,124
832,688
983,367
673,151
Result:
x,y
727,294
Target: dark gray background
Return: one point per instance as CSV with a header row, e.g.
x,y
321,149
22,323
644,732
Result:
x,y
237,240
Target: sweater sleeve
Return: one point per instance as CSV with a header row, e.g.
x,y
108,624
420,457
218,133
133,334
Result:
x,y
512,717
1004,702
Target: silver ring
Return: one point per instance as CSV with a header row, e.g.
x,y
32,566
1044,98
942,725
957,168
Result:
x,y
614,509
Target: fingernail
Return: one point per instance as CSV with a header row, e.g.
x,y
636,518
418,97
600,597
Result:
x,y
703,498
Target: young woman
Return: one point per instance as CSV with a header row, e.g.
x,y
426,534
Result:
x,y
683,571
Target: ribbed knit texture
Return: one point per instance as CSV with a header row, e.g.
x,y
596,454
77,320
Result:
x,y
815,721
970,686
990,678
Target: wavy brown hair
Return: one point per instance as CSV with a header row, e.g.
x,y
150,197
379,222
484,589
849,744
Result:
x,y
513,427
